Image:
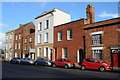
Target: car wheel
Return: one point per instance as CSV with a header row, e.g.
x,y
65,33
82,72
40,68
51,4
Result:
x,y
102,69
54,65
66,66
36,64
83,67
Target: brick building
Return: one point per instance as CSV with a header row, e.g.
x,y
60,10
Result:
x,y
69,38
103,40
68,41
24,40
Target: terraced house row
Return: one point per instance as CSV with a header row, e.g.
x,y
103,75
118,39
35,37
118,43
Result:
x,y
56,36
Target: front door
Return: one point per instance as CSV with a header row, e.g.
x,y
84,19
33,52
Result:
x,y
55,53
81,56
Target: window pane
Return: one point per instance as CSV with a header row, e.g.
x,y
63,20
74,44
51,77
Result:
x,y
65,52
97,54
59,36
96,39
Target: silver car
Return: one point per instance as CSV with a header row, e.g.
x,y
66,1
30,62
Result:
x,y
27,61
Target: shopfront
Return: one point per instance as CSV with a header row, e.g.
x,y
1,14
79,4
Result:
x,y
115,56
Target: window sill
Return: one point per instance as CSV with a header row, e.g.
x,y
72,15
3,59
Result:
x,y
45,42
59,40
69,39
98,45
45,28
39,30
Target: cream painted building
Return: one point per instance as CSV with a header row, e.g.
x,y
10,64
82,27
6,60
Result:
x,y
44,31
9,45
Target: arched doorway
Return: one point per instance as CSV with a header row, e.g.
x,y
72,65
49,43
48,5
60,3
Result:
x,y
81,56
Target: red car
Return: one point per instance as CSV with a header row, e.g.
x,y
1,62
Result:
x,y
93,63
63,62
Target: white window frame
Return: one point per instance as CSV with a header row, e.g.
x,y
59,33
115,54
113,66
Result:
x,y
7,37
19,36
18,45
46,37
30,39
69,33
63,52
39,52
97,33
96,48
47,26
40,26
11,36
60,36
16,54
16,37
39,38
25,40
45,54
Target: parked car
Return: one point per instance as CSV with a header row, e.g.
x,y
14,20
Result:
x,y
15,60
63,62
27,61
93,63
43,61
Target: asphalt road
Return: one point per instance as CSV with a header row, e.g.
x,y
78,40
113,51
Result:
x,y
31,71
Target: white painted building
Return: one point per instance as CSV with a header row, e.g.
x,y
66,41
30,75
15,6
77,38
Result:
x,y
9,45
44,31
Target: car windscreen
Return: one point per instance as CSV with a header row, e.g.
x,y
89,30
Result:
x,y
66,60
46,59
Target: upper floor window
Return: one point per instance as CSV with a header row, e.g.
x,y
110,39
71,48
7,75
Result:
x,y
18,45
46,37
7,37
30,39
25,40
97,38
59,36
16,37
39,38
40,26
30,46
65,52
46,24
25,47
69,34
11,36
19,36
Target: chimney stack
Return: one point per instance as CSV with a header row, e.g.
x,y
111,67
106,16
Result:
x,y
90,13
20,25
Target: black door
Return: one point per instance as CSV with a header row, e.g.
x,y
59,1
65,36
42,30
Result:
x,y
81,56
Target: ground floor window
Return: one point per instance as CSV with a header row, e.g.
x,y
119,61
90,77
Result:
x,y
39,52
97,54
16,54
65,52
46,50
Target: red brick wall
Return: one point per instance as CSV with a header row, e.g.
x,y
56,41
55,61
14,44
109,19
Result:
x,y
72,45
25,33
109,38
